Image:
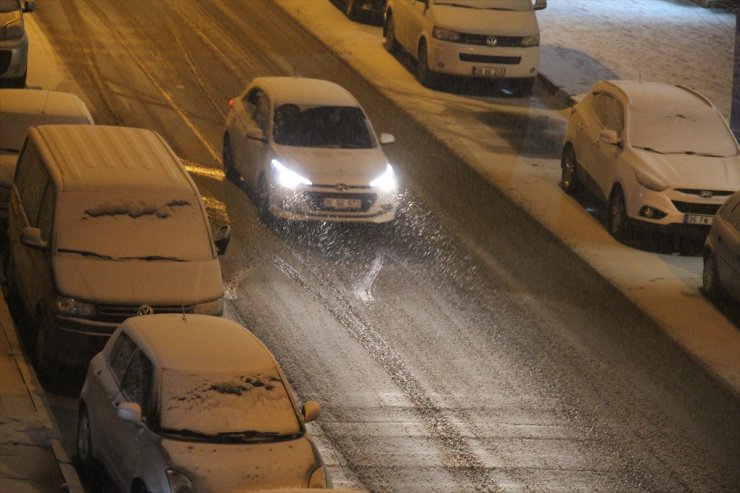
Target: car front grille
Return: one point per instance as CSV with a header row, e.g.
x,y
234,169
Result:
x,y
501,41
5,57
697,192
694,208
316,200
119,313
500,60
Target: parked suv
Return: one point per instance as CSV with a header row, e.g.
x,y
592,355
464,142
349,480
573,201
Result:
x,y
104,223
14,41
721,275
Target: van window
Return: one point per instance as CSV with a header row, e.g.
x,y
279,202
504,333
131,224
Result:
x,y
31,180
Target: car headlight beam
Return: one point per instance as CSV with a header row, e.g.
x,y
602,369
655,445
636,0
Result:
x,y
386,181
287,177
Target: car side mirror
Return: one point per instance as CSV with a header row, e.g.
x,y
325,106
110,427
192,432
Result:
x,y
223,235
540,4
31,237
609,137
129,411
256,134
387,138
310,411
29,6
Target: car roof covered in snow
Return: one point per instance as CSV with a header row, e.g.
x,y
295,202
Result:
x,y
658,95
198,343
43,102
103,158
305,91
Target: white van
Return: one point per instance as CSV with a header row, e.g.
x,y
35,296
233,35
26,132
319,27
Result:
x,y
492,39
104,223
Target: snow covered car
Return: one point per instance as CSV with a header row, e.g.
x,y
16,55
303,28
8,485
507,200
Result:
x,y
483,39
14,41
656,154
183,403
21,109
307,151
721,275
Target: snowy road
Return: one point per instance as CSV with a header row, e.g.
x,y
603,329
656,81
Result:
x,y
466,349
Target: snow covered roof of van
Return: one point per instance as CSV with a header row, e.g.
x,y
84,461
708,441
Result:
x,y
43,102
100,158
199,343
305,91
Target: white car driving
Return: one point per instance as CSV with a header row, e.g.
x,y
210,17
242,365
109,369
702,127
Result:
x,y
656,154
307,151
182,403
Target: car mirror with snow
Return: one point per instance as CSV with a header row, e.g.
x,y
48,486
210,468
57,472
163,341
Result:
x,y
31,237
609,137
310,411
223,235
129,411
387,138
256,134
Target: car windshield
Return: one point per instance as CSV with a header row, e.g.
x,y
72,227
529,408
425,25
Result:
x,y
219,404
520,5
14,126
322,126
9,5
681,132
124,226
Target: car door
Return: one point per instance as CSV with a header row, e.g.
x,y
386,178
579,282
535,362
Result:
x,y
401,13
417,23
254,150
605,166
585,127
127,436
728,249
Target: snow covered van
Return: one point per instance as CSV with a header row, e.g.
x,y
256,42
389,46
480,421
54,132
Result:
x,y
493,39
104,223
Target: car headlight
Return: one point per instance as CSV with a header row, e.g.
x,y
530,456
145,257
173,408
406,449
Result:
x,y
215,307
386,181
648,181
533,40
179,482
446,34
14,30
317,478
287,177
73,308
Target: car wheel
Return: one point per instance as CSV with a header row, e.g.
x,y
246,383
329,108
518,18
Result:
x,y
423,74
47,369
139,487
85,456
390,34
618,222
20,82
350,9
228,159
263,200
12,294
710,278
569,171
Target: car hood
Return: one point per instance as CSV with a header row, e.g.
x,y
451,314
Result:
x,y
243,467
485,21
137,281
691,171
7,168
354,167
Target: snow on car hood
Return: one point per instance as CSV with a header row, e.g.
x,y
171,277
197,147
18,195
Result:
x,y
7,168
485,21
137,281
354,167
692,171
243,467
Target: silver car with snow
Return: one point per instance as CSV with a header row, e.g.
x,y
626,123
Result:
x,y
14,42
307,151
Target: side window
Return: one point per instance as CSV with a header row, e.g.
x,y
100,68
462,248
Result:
x,y
258,107
120,356
31,180
251,100
599,107
137,381
609,112
46,213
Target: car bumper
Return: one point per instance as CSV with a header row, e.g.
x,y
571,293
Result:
x,y
483,61
360,204
13,57
682,211
73,341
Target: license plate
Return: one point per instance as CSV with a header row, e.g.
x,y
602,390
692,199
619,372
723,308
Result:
x,y
490,71
335,203
697,219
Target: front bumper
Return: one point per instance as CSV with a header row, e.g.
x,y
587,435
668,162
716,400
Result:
x,y
13,57
482,61
684,210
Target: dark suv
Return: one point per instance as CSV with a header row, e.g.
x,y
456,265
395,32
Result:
x,y
14,42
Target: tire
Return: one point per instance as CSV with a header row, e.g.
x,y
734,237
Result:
x,y
569,171
617,220
12,293
85,456
710,278
229,171
350,9
389,40
423,74
20,82
48,370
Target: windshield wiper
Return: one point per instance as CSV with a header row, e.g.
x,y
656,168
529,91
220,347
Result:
x,y
472,6
690,153
85,253
9,149
255,435
153,257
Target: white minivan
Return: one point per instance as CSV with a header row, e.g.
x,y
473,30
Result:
x,y
492,39
104,223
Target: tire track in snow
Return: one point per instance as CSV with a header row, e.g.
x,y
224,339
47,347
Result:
x,y
363,289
